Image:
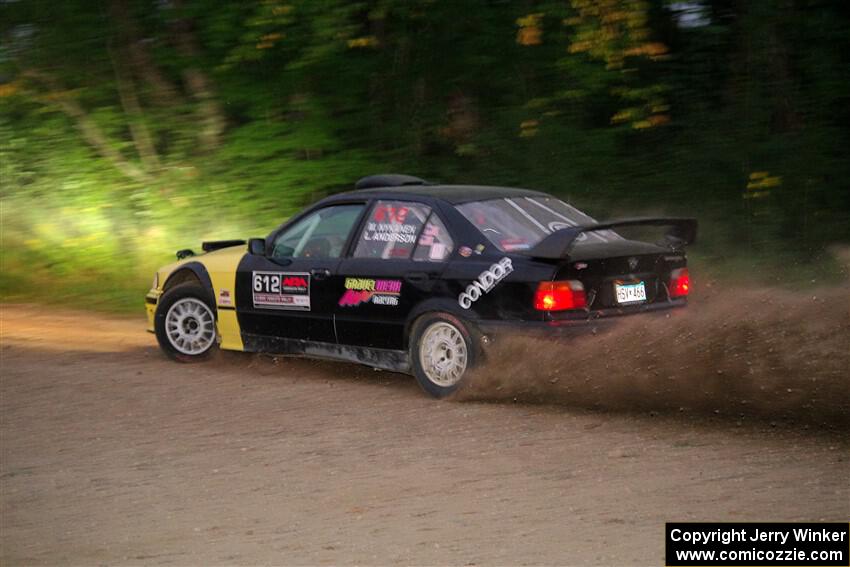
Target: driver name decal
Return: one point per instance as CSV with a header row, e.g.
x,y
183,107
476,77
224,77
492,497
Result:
x,y
377,292
389,224
281,290
486,281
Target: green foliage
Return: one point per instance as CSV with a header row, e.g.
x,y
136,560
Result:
x,y
134,128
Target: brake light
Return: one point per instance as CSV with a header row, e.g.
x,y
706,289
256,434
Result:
x,y
559,296
680,283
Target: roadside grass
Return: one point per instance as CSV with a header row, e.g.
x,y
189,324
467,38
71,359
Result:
x,y
788,271
120,296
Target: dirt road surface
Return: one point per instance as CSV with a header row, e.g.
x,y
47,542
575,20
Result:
x,y
112,454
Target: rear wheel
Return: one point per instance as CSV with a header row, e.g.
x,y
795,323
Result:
x,y
442,352
185,323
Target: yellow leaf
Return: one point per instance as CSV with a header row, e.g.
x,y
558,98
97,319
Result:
x,y
361,42
530,32
8,89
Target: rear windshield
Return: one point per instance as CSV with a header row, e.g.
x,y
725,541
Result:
x,y
519,223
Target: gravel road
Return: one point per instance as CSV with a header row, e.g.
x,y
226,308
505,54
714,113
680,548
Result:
x,y
112,454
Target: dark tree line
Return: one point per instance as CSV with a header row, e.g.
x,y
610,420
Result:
x,y
131,127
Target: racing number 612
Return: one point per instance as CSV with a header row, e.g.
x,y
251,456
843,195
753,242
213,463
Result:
x,y
266,283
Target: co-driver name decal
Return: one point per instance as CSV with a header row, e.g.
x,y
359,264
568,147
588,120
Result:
x,y
281,290
389,224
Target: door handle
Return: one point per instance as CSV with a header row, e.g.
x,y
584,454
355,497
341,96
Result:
x,y
417,277
320,273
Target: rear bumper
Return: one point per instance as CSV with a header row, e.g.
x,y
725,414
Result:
x,y
597,322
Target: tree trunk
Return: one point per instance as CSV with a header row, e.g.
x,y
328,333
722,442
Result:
x,y
199,85
209,110
90,131
138,129
163,92
93,135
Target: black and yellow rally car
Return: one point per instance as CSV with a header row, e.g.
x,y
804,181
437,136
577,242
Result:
x,y
414,277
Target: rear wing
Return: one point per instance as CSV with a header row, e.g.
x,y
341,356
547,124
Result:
x,y
682,232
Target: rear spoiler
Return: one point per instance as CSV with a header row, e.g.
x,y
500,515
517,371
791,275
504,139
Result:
x,y
682,232
210,246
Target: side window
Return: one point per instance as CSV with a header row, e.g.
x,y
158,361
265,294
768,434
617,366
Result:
x,y
435,244
320,235
391,230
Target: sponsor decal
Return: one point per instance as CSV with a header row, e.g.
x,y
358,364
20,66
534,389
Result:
x,y
465,251
430,238
224,298
281,290
437,252
580,265
486,281
509,244
388,225
429,233
391,214
364,290
479,249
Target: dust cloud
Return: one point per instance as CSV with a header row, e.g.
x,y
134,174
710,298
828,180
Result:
x,y
769,354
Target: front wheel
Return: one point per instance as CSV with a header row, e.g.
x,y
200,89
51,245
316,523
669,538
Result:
x,y
442,353
185,324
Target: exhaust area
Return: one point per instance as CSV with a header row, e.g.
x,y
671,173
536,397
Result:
x,y
767,354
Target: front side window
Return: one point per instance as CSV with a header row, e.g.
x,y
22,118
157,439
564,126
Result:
x,y
320,235
391,230
435,244
520,223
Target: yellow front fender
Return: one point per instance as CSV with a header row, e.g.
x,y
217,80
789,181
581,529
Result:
x,y
220,266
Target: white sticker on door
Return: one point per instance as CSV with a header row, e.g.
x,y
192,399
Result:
x,y
281,290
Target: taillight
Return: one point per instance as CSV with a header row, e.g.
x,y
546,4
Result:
x,y
559,296
680,283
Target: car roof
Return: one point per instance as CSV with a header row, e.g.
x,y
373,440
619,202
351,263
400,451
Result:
x,y
454,194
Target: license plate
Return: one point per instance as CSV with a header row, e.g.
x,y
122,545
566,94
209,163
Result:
x,y
630,293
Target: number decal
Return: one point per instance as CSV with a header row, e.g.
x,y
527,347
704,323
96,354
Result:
x,y
281,290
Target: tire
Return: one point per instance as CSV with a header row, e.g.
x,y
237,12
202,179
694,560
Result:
x,y
185,323
442,352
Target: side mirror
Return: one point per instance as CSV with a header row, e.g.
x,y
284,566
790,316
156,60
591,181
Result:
x,y
257,246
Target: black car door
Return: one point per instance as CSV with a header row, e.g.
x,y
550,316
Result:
x,y
396,262
288,293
